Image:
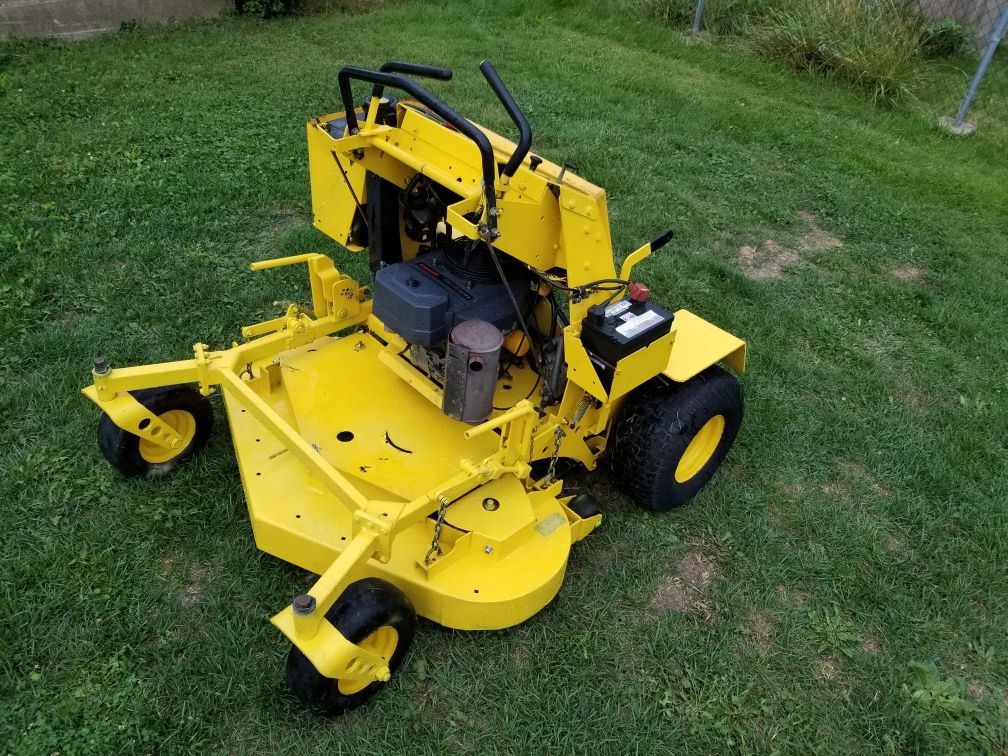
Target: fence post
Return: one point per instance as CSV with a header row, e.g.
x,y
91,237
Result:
x,y
958,125
698,16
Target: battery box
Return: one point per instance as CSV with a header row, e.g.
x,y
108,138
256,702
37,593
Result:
x,y
611,333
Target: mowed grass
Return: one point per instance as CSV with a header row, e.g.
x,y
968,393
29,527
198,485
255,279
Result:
x,y
839,587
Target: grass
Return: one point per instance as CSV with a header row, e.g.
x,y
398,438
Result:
x,y
876,47
841,585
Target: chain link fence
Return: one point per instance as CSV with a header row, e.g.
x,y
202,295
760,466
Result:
x,y
981,17
987,13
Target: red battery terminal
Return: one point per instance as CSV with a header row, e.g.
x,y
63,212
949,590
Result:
x,y
638,292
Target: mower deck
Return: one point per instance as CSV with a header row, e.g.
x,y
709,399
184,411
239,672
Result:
x,y
503,561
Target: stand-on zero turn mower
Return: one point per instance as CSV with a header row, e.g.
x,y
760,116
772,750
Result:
x,y
410,445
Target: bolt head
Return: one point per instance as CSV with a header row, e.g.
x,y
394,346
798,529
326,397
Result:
x,y
304,604
101,365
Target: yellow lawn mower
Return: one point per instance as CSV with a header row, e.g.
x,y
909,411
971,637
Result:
x,y
415,443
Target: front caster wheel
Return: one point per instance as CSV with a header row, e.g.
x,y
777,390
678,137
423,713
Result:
x,y
183,408
373,614
673,437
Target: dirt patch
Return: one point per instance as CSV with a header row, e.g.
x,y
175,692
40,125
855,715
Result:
x,y
797,597
908,273
520,655
766,261
793,490
827,668
816,239
166,563
287,218
894,544
771,259
697,570
193,590
870,645
684,591
837,491
673,595
856,470
977,690
776,520
915,399
761,630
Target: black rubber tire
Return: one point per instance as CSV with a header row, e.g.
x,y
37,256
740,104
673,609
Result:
x,y
585,506
362,608
658,423
122,448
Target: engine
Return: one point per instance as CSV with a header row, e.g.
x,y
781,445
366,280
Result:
x,y
452,305
424,298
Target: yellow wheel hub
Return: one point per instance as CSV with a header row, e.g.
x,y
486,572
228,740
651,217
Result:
x,y
181,422
381,642
700,449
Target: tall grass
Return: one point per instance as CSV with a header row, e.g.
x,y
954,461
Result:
x,y
874,46
720,16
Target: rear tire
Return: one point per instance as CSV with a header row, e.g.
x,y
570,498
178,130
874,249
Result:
x,y
181,406
369,611
672,437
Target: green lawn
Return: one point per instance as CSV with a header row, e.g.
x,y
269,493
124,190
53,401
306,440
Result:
x,y
858,531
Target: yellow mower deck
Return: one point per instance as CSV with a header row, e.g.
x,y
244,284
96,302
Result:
x,y
501,565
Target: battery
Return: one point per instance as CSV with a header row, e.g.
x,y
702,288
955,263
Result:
x,y
623,327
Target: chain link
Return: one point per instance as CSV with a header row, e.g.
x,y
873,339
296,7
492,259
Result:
x,y
558,434
435,546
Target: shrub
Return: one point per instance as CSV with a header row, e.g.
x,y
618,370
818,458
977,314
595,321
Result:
x,y
872,46
945,38
669,12
263,8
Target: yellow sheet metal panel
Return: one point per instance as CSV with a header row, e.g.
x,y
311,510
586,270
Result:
x,y
531,227
333,203
698,345
405,450
641,365
580,526
499,511
579,367
490,590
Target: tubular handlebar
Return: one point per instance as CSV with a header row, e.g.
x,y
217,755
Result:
x,y
525,131
412,69
416,69
661,240
383,79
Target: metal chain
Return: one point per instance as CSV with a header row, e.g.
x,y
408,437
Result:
x,y
438,523
558,434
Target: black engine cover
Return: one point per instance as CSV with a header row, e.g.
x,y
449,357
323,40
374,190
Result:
x,y
423,298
